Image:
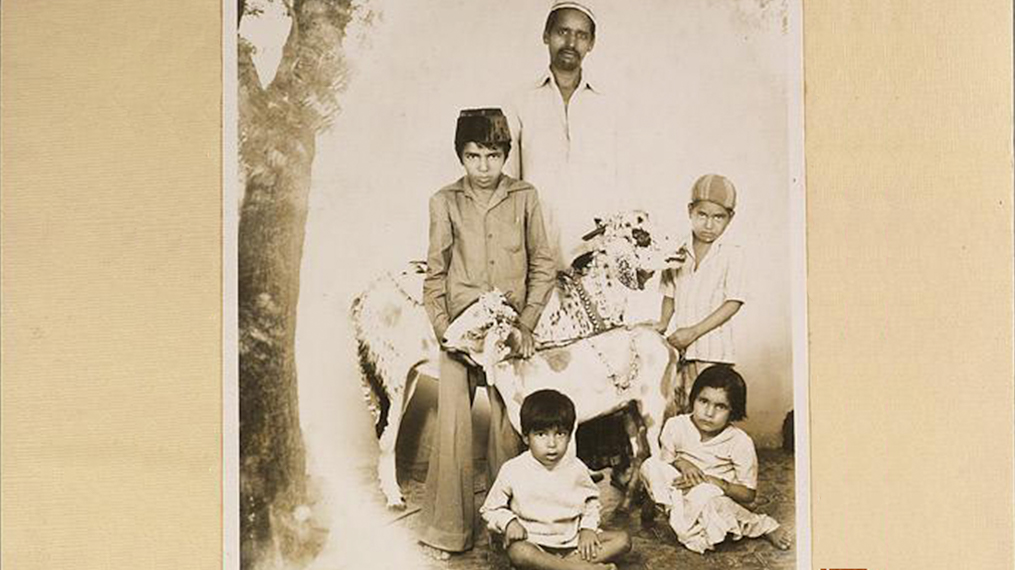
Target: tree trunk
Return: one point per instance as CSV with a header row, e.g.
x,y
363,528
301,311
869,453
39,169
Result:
x,y
271,447
270,244
278,129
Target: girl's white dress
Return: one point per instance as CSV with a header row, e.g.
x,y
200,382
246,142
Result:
x,y
703,516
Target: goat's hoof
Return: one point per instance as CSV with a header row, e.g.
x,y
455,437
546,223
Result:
x,y
396,504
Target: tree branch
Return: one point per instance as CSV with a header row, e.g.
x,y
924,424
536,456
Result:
x,y
290,51
246,71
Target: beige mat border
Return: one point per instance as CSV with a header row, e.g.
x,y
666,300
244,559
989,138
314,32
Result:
x,y
111,270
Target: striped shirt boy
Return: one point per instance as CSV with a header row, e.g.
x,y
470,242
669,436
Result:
x,y
697,292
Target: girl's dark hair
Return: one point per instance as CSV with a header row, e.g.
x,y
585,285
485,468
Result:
x,y
545,409
723,377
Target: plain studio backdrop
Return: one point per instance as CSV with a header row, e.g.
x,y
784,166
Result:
x,y
703,86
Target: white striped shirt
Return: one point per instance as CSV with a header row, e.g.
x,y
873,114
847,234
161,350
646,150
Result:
x,y
697,293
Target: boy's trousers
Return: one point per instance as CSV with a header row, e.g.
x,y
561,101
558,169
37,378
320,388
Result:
x,y
688,371
449,509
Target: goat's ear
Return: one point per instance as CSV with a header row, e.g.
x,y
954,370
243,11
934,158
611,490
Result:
x,y
596,232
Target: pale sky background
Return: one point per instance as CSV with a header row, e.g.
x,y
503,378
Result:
x,y
702,85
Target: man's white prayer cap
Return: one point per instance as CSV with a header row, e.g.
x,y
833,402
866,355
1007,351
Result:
x,y
582,7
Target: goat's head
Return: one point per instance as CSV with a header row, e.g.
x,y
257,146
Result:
x,y
628,247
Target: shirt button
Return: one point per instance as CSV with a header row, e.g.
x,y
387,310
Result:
x,y
491,262
489,235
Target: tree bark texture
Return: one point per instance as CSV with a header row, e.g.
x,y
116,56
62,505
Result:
x,y
278,129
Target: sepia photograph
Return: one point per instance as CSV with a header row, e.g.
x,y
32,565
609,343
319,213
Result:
x,y
518,285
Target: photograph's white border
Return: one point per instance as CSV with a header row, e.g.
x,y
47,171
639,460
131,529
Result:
x,y
230,323
798,289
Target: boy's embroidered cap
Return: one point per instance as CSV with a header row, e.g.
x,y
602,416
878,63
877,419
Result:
x,y
715,188
484,126
580,6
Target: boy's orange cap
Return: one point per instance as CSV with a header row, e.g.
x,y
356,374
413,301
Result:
x,y
715,188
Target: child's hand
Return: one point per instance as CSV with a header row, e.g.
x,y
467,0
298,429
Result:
x,y
682,338
691,476
515,531
589,544
523,343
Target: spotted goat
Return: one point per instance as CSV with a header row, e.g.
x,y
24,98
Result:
x,y
396,343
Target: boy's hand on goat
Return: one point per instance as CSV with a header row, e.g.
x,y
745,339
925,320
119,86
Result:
x,y
521,342
682,338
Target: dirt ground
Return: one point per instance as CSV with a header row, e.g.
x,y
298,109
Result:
x,y
654,546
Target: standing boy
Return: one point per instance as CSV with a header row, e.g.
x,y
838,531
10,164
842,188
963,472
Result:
x,y
707,289
486,232
544,502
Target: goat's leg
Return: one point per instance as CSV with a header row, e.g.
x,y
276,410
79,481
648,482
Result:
x,y
652,415
635,426
629,419
387,471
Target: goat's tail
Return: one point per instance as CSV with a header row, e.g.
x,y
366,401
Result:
x,y
370,377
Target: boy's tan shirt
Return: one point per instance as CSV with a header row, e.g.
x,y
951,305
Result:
x,y
476,247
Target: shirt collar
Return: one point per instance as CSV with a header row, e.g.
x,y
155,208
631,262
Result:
x,y
547,80
688,244
506,186
562,464
508,183
725,434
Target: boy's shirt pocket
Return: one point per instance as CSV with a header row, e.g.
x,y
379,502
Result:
x,y
506,230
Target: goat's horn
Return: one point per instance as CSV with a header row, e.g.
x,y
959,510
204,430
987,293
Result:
x,y
596,232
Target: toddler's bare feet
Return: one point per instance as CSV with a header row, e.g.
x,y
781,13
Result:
x,y
780,538
435,553
581,563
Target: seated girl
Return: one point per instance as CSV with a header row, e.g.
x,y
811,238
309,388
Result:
x,y
708,469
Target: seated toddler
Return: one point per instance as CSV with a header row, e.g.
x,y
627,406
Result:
x,y
544,502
